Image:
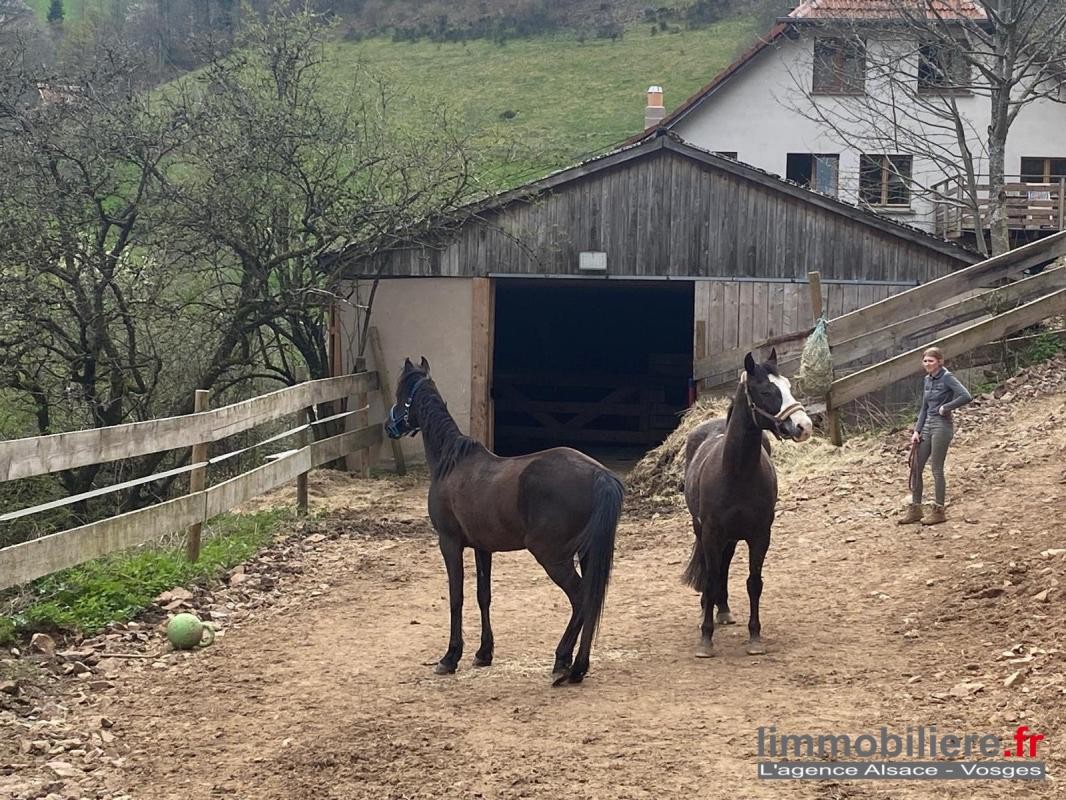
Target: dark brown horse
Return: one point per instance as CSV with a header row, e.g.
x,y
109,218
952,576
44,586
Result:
x,y
731,491
557,504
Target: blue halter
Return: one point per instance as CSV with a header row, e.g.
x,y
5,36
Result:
x,y
397,426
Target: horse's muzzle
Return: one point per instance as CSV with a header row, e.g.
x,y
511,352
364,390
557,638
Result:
x,y
397,426
797,427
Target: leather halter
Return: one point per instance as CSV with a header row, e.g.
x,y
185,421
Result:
x,y
397,426
776,419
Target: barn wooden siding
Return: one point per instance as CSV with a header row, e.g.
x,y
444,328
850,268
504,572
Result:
x,y
665,209
732,314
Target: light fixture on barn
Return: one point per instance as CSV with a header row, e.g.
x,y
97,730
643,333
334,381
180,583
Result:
x,y
592,261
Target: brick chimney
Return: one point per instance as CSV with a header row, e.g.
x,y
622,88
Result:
x,y
654,111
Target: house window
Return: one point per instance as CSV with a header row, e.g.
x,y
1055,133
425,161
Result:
x,y
884,180
839,66
818,171
943,68
1043,170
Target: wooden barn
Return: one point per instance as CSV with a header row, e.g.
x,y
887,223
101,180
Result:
x,y
572,310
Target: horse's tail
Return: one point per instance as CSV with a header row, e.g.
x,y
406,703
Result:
x,y
596,549
696,571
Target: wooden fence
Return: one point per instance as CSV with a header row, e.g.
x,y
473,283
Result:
x,y
41,455
990,294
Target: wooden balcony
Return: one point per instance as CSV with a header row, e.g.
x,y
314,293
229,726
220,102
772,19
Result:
x,y
1031,207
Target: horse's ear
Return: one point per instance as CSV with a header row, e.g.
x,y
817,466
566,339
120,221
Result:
x,y
749,364
425,365
407,364
772,360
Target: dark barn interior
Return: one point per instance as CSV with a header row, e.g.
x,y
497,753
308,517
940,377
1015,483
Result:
x,y
600,365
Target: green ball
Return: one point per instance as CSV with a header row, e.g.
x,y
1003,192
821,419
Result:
x,y
185,631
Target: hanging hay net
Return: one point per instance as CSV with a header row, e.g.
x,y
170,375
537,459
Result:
x,y
815,377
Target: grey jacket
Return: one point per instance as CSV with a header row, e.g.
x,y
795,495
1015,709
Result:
x,y
942,390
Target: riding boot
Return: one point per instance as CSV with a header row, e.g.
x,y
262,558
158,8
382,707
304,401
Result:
x,y
936,516
913,514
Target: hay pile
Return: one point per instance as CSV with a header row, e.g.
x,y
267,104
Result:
x,y
660,475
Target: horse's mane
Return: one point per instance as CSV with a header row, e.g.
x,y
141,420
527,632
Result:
x,y
443,437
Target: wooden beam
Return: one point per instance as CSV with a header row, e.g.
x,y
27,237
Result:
x,y
378,354
929,295
482,335
198,477
40,455
872,378
36,558
904,332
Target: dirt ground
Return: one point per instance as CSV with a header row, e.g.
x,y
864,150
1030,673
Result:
x,y
321,689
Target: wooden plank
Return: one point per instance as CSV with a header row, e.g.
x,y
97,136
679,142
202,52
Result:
x,y
746,318
730,311
251,484
872,378
34,559
378,354
198,477
901,333
760,328
40,455
482,328
930,295
326,450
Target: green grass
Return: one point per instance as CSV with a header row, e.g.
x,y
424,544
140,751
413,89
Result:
x,y
569,99
87,597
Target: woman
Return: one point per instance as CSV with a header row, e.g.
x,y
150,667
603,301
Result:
x,y
933,432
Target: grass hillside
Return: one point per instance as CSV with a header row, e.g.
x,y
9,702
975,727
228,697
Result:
x,y
553,99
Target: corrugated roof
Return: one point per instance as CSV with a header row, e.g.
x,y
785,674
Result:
x,y
887,9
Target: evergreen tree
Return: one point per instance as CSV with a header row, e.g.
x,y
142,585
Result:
x,y
55,11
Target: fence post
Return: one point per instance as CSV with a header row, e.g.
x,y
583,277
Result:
x,y
303,439
360,419
197,477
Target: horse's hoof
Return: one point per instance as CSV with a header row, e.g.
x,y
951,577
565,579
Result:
x,y
576,677
756,649
560,677
705,650
481,661
724,618
444,669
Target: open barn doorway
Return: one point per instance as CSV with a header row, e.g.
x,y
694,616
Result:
x,y
599,365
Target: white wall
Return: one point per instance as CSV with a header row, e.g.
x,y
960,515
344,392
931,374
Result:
x,y
419,317
763,113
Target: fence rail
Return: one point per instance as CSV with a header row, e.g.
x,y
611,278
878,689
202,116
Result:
x,y
875,377
36,558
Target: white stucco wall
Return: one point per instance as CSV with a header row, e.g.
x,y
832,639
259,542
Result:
x,y
763,113
428,317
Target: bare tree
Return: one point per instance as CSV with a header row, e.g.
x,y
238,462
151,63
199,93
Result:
x,y
285,168
943,81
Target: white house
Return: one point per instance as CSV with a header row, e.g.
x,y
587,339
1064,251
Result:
x,y
811,104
